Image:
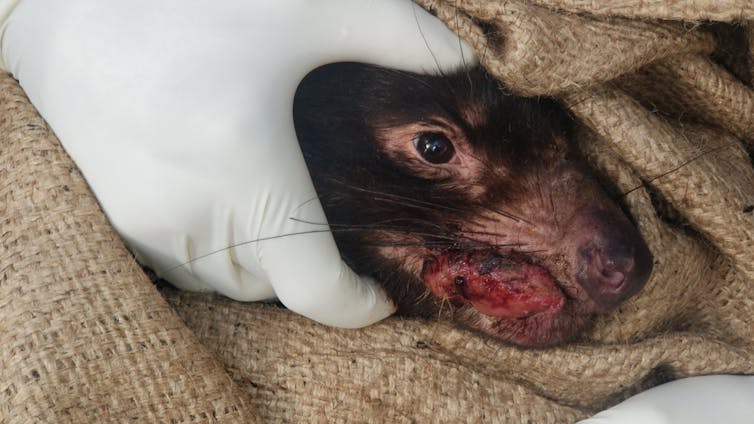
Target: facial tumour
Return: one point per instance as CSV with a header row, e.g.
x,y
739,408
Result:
x,y
467,203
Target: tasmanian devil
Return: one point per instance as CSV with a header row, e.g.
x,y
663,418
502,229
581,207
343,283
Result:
x,y
466,202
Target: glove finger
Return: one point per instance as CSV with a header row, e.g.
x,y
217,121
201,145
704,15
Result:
x,y
222,272
230,271
716,398
310,278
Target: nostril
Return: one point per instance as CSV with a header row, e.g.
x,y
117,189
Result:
x,y
611,261
605,273
613,279
608,269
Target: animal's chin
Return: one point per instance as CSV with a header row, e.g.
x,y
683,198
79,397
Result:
x,y
537,331
507,296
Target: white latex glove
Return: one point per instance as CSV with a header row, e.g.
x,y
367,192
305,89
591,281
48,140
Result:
x,y
178,113
698,400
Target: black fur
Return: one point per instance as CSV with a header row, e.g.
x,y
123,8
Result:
x,y
338,111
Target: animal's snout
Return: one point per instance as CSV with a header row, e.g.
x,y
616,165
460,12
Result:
x,y
605,274
612,261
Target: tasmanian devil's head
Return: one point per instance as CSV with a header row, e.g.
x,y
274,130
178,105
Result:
x,y
467,203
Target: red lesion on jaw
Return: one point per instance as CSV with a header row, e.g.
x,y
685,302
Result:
x,y
506,287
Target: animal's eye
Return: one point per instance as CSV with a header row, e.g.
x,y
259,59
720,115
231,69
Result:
x,y
434,147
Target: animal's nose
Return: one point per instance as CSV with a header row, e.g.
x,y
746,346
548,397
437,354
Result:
x,y
612,262
607,273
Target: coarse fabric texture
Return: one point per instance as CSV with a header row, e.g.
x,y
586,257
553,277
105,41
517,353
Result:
x,y
84,334
667,113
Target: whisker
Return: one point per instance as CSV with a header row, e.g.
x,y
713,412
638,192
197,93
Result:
x,y
409,244
239,244
480,233
693,159
460,46
439,240
377,224
426,42
508,215
395,198
381,226
426,294
553,211
377,227
439,244
409,75
306,202
493,169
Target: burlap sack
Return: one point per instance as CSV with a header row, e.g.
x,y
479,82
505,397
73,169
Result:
x,y
84,335
668,115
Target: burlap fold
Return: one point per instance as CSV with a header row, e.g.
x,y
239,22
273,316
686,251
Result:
x,y
537,51
84,335
691,10
667,114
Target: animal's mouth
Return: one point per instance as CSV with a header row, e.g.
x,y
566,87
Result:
x,y
507,286
536,302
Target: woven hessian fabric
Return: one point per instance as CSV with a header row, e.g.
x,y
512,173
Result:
x,y
84,335
667,113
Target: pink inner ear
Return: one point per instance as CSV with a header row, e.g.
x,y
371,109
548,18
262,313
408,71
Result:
x,y
495,285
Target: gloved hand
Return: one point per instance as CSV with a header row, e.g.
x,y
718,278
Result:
x,y
178,113
698,400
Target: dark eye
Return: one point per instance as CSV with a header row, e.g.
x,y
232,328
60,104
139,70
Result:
x,y
434,147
